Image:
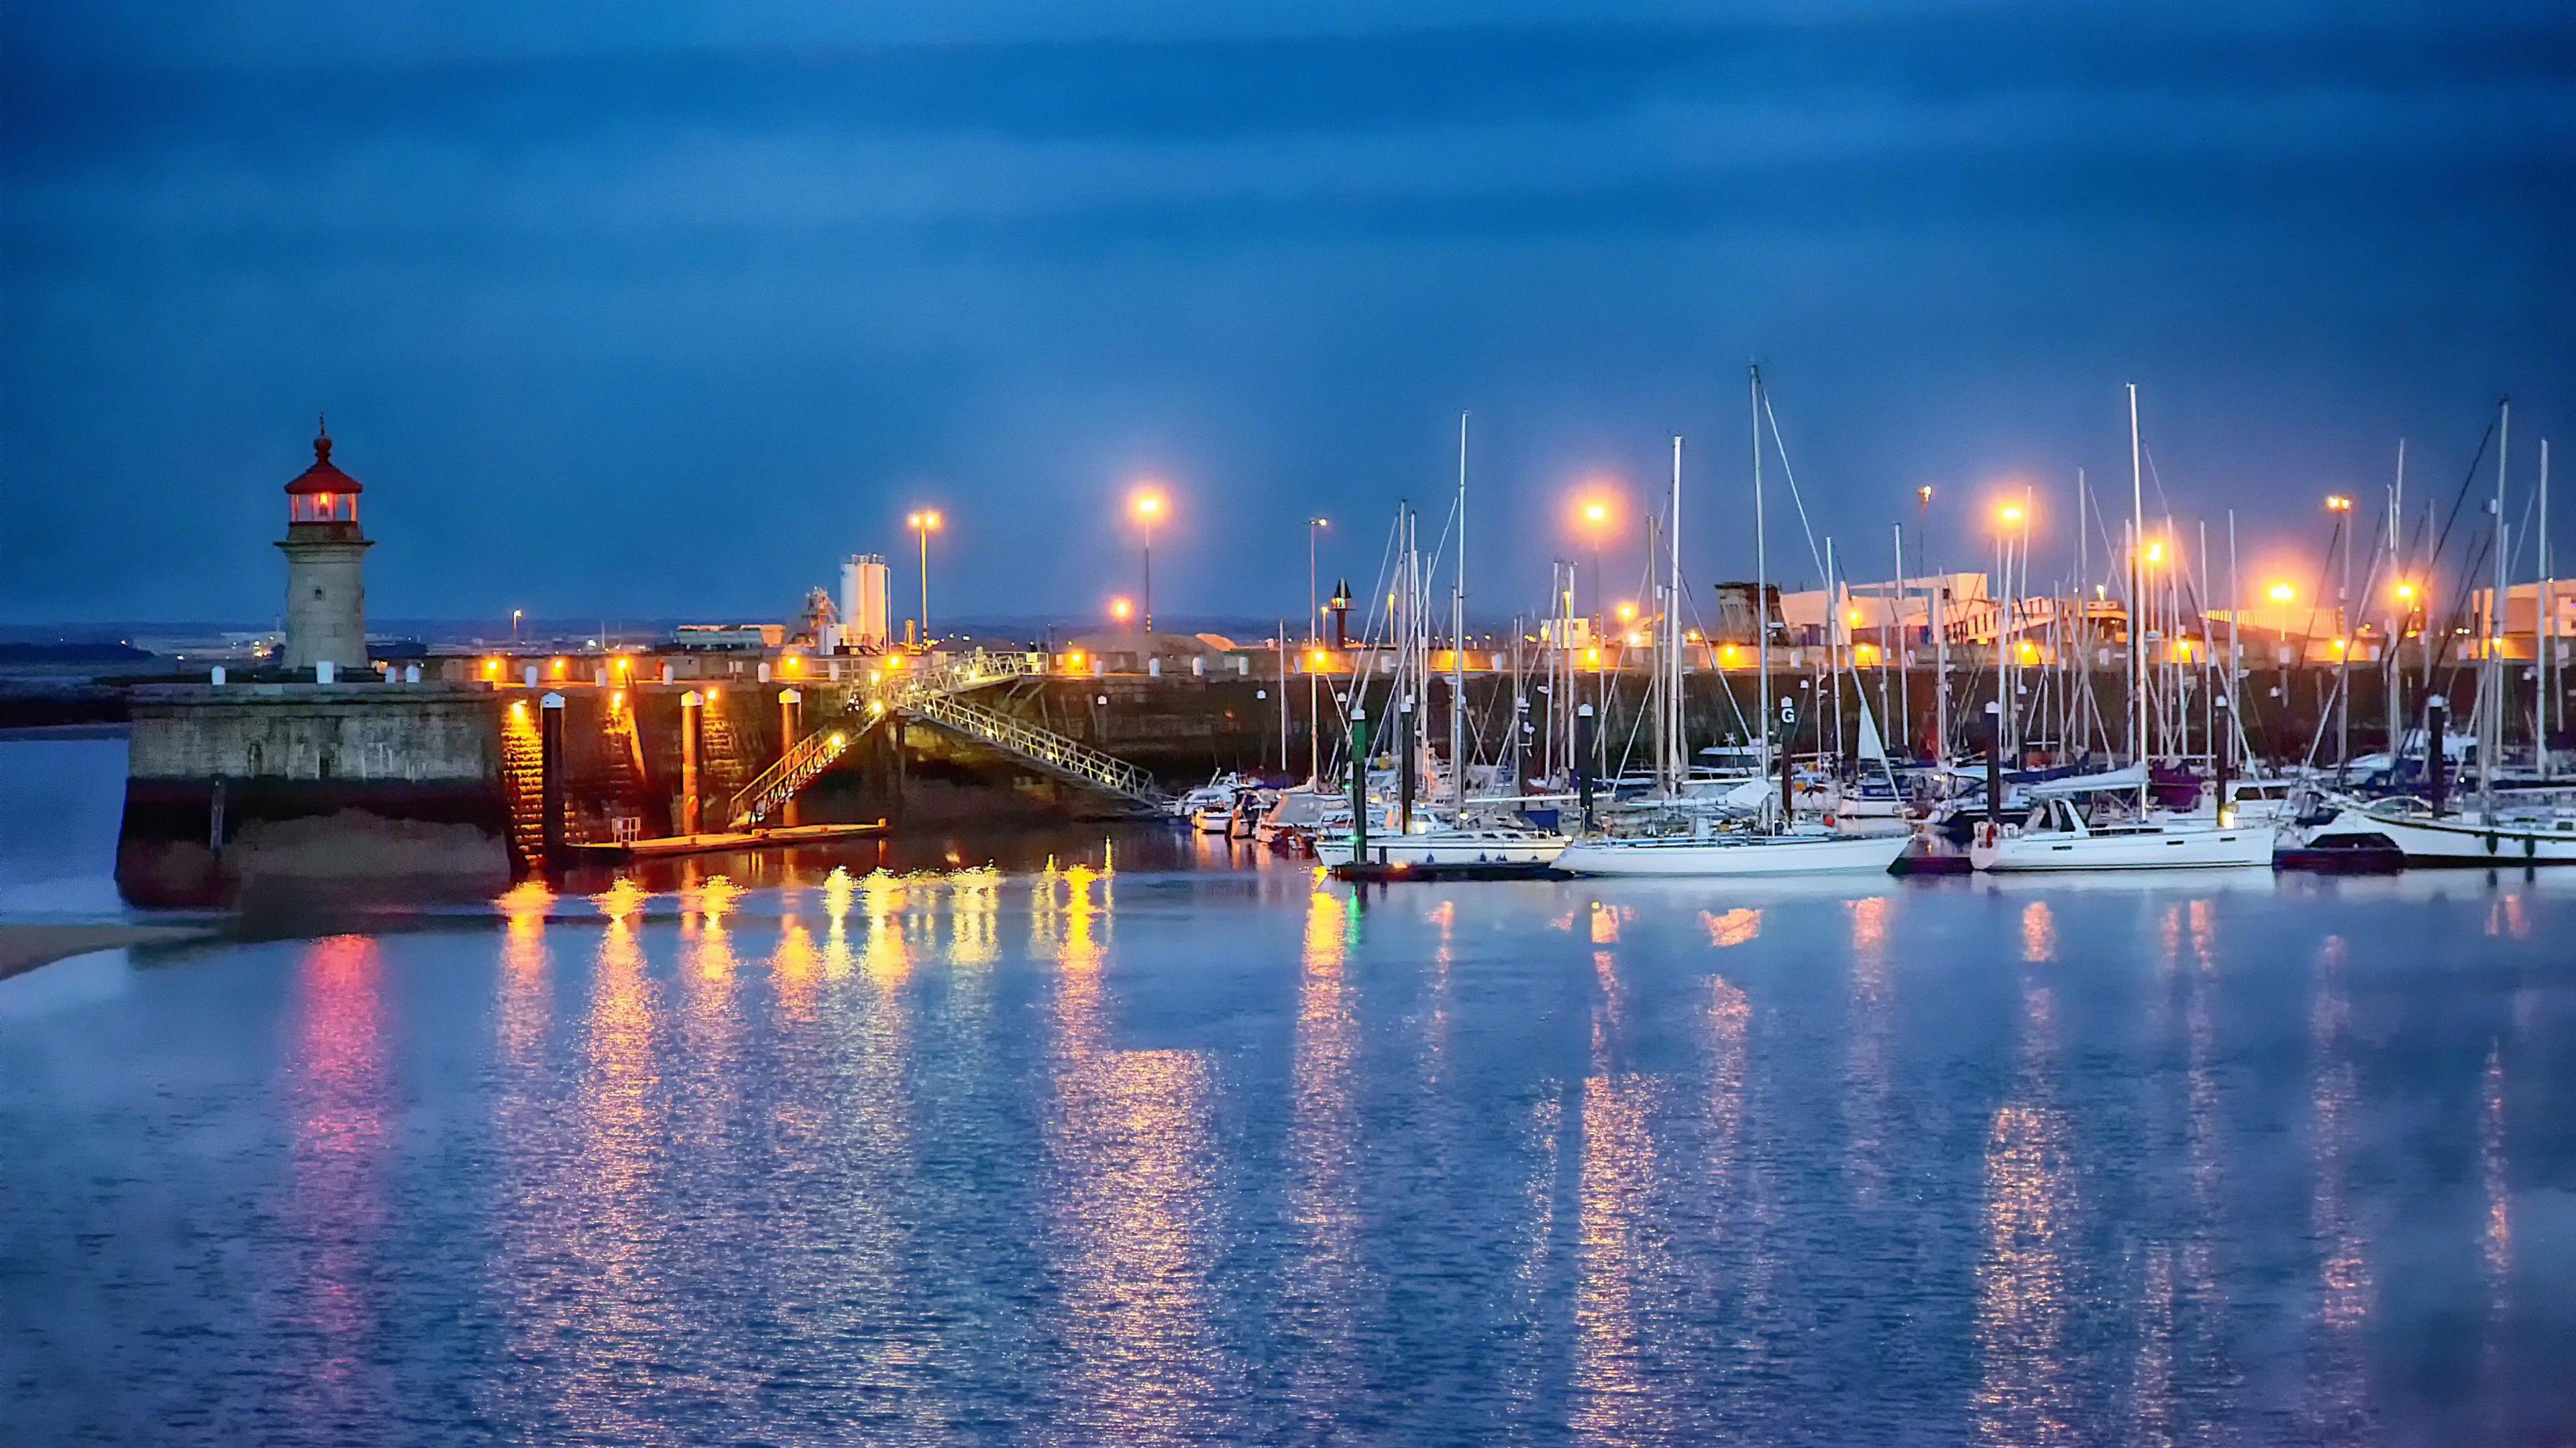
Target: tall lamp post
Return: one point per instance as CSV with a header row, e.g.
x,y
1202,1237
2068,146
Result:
x,y
2011,519
2341,507
1148,506
1597,522
1314,687
925,523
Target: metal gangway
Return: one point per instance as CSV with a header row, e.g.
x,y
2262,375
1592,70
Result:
x,y
929,692
1044,749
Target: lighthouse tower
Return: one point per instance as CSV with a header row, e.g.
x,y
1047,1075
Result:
x,y
326,587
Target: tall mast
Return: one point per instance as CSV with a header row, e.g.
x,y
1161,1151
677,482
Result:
x,y
1903,725
1833,653
2491,678
1761,587
2082,633
2137,594
2543,627
2236,645
1458,638
1677,761
2395,642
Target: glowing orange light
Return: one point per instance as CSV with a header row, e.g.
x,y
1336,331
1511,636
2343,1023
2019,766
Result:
x,y
2011,515
491,668
1627,611
1318,659
624,664
1074,659
2155,553
2406,591
2282,593
2338,503
925,521
558,667
714,693
617,700
1148,504
1595,515
794,665
1121,610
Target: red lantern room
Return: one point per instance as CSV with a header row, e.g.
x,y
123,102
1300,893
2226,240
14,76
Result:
x,y
322,493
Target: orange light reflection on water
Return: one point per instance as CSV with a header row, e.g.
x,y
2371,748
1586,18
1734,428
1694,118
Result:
x,y
341,1088
1130,1137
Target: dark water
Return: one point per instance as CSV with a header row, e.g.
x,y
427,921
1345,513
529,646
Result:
x,y
1092,1155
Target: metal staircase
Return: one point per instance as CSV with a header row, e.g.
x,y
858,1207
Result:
x,y
929,692
523,781
779,783
1048,751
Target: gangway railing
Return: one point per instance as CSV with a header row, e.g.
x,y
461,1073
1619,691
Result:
x,y
1044,748
930,691
781,781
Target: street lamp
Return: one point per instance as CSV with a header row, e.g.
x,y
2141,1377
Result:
x,y
1148,506
925,523
1597,519
2283,593
515,615
1121,610
1314,699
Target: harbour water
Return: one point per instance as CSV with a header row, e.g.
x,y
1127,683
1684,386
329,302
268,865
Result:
x,y
1158,1144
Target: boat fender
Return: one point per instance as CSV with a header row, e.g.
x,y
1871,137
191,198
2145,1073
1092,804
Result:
x,y
1829,819
2530,847
1986,834
2491,842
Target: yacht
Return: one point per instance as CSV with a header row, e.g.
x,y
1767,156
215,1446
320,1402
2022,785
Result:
x,y
2511,833
1453,847
1795,852
2059,837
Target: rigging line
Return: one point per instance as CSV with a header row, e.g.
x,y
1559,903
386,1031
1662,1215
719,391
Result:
x,y
2467,481
2343,674
1781,447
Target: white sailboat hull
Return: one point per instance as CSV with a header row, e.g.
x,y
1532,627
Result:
x,y
2463,839
1735,857
1450,848
2181,848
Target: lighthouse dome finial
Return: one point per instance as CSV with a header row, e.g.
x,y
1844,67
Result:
x,y
321,438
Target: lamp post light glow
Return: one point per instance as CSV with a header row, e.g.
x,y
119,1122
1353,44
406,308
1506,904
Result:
x,y
1314,702
1148,506
2282,593
925,522
1121,610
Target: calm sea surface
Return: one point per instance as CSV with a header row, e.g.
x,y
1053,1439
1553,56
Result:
x,y
1147,1147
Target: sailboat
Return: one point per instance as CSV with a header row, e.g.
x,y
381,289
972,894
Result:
x,y
1773,848
2059,837
2529,827
1461,846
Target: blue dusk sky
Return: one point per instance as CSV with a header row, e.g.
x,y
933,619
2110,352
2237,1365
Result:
x,y
633,310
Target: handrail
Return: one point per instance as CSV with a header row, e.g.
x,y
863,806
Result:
x,y
778,783
1043,746
929,691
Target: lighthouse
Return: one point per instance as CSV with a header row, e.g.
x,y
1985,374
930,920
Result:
x,y
326,586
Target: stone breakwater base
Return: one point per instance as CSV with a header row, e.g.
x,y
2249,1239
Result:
x,y
247,787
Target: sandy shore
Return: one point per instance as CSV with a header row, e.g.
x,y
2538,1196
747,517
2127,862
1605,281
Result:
x,y
24,947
